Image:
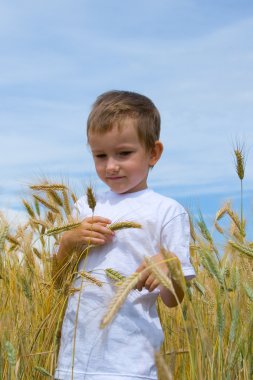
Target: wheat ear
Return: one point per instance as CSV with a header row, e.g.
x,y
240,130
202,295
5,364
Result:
x,y
119,298
239,152
28,208
91,279
114,275
46,204
12,239
122,225
74,198
91,200
242,248
160,275
40,222
55,197
66,202
234,218
66,227
52,186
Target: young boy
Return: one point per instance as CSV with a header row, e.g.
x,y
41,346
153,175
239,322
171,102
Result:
x,y
123,133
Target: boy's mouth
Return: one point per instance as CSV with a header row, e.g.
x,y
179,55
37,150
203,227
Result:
x,y
114,178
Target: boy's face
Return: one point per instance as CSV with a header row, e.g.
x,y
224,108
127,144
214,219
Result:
x,y
121,160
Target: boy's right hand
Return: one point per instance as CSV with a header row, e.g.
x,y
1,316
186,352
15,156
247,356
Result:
x,y
92,231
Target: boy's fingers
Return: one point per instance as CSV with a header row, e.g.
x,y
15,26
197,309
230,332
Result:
x,y
97,219
153,286
94,241
141,267
143,278
149,281
87,235
139,286
97,227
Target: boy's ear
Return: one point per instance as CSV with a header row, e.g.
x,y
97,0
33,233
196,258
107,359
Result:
x,y
155,153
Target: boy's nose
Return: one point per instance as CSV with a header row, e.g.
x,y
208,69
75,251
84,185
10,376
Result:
x,y
112,166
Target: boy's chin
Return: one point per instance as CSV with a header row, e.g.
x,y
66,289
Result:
x,y
126,190
116,191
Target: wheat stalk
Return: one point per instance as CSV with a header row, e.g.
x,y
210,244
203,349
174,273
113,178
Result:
x,y
119,298
240,162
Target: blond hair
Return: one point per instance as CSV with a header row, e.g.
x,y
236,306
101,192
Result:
x,y
113,107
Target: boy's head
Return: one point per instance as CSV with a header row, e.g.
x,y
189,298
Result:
x,y
112,108
123,133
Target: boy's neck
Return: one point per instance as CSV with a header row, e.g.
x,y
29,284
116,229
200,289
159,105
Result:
x,y
131,193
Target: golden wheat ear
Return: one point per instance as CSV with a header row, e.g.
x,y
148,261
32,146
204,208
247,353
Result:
x,y
47,204
159,274
175,268
60,229
122,225
90,278
240,159
50,186
91,199
119,298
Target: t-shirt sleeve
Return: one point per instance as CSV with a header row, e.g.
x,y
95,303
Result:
x,y
175,238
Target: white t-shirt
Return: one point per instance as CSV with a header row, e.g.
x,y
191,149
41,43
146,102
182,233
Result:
x,y
125,349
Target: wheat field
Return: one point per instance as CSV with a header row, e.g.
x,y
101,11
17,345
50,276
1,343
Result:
x,y
209,336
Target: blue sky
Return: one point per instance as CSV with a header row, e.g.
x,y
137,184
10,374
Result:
x,y
194,58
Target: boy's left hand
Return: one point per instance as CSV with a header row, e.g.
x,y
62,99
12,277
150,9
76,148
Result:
x,y
147,279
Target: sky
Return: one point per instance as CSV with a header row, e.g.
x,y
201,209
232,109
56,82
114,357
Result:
x,y
193,58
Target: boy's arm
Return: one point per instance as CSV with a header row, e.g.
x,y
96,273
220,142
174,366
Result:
x,y
168,297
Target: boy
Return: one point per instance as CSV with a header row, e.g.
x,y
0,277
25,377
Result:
x,y
123,133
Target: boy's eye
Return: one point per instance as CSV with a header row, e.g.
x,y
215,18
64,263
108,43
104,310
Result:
x,y
125,153
101,155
